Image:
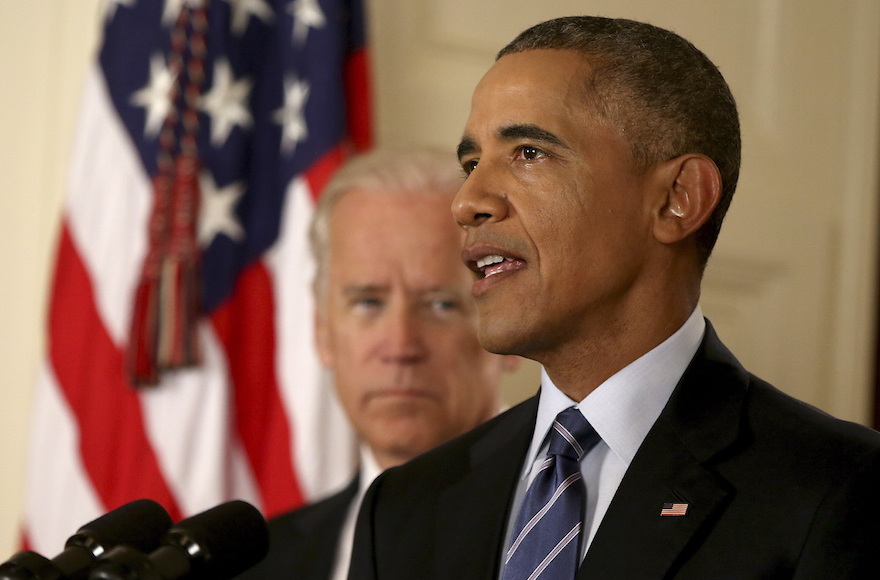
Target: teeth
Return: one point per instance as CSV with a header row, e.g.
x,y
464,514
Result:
x,y
489,260
484,263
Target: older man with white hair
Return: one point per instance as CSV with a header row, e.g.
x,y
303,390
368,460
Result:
x,y
397,329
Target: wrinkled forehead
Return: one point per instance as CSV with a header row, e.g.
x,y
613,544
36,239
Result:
x,y
407,233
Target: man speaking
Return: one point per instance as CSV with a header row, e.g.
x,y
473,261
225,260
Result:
x,y
601,157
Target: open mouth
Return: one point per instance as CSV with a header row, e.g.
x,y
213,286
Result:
x,y
490,264
494,264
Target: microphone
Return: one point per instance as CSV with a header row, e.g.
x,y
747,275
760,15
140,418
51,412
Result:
x,y
140,524
216,544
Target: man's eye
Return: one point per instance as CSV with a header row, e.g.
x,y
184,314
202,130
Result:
x,y
469,166
366,303
531,153
443,305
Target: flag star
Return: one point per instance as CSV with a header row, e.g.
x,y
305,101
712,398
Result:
x,y
291,116
217,210
155,97
226,103
111,5
306,14
174,7
242,10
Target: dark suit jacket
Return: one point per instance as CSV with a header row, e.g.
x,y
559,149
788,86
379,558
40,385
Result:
x,y
776,489
302,543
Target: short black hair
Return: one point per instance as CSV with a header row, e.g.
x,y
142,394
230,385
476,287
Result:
x,y
664,95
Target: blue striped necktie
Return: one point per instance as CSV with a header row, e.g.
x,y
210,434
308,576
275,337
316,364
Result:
x,y
547,533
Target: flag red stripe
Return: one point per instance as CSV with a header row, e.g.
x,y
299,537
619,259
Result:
x,y
322,170
25,540
89,367
358,98
245,325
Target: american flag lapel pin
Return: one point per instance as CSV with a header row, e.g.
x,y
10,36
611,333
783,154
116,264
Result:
x,y
674,509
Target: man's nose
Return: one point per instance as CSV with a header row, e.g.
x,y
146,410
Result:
x,y
404,340
480,199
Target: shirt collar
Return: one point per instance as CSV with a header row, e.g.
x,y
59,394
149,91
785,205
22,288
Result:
x,y
369,470
624,408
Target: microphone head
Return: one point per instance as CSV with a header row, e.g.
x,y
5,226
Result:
x,y
29,566
140,524
223,541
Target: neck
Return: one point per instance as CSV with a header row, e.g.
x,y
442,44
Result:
x,y
578,367
386,460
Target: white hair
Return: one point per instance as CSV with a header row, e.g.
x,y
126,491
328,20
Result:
x,y
386,171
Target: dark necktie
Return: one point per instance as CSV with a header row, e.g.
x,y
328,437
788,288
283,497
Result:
x,y
547,533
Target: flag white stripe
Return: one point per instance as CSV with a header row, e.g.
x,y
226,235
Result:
x,y
241,477
58,505
107,179
189,424
315,414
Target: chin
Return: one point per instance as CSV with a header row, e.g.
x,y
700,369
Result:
x,y
496,339
410,445
413,432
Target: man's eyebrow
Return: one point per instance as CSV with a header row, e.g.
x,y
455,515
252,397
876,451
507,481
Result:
x,y
466,147
531,132
354,290
512,133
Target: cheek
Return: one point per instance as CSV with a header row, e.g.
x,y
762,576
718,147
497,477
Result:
x,y
352,340
349,396
350,356
558,219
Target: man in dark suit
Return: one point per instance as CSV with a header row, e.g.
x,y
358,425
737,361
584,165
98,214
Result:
x,y
601,157
396,329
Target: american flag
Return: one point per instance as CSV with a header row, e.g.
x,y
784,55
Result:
x,y
208,129
674,509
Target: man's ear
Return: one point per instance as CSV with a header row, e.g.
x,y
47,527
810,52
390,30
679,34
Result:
x,y
692,188
322,338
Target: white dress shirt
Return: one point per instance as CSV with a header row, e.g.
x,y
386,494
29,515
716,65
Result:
x,y
622,410
369,471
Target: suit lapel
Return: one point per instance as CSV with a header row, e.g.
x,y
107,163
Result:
x,y
673,465
473,512
329,526
305,541
634,540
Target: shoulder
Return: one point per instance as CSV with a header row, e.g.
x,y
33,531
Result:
x,y
802,482
753,434
302,542
827,471
733,417
801,431
304,520
717,391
